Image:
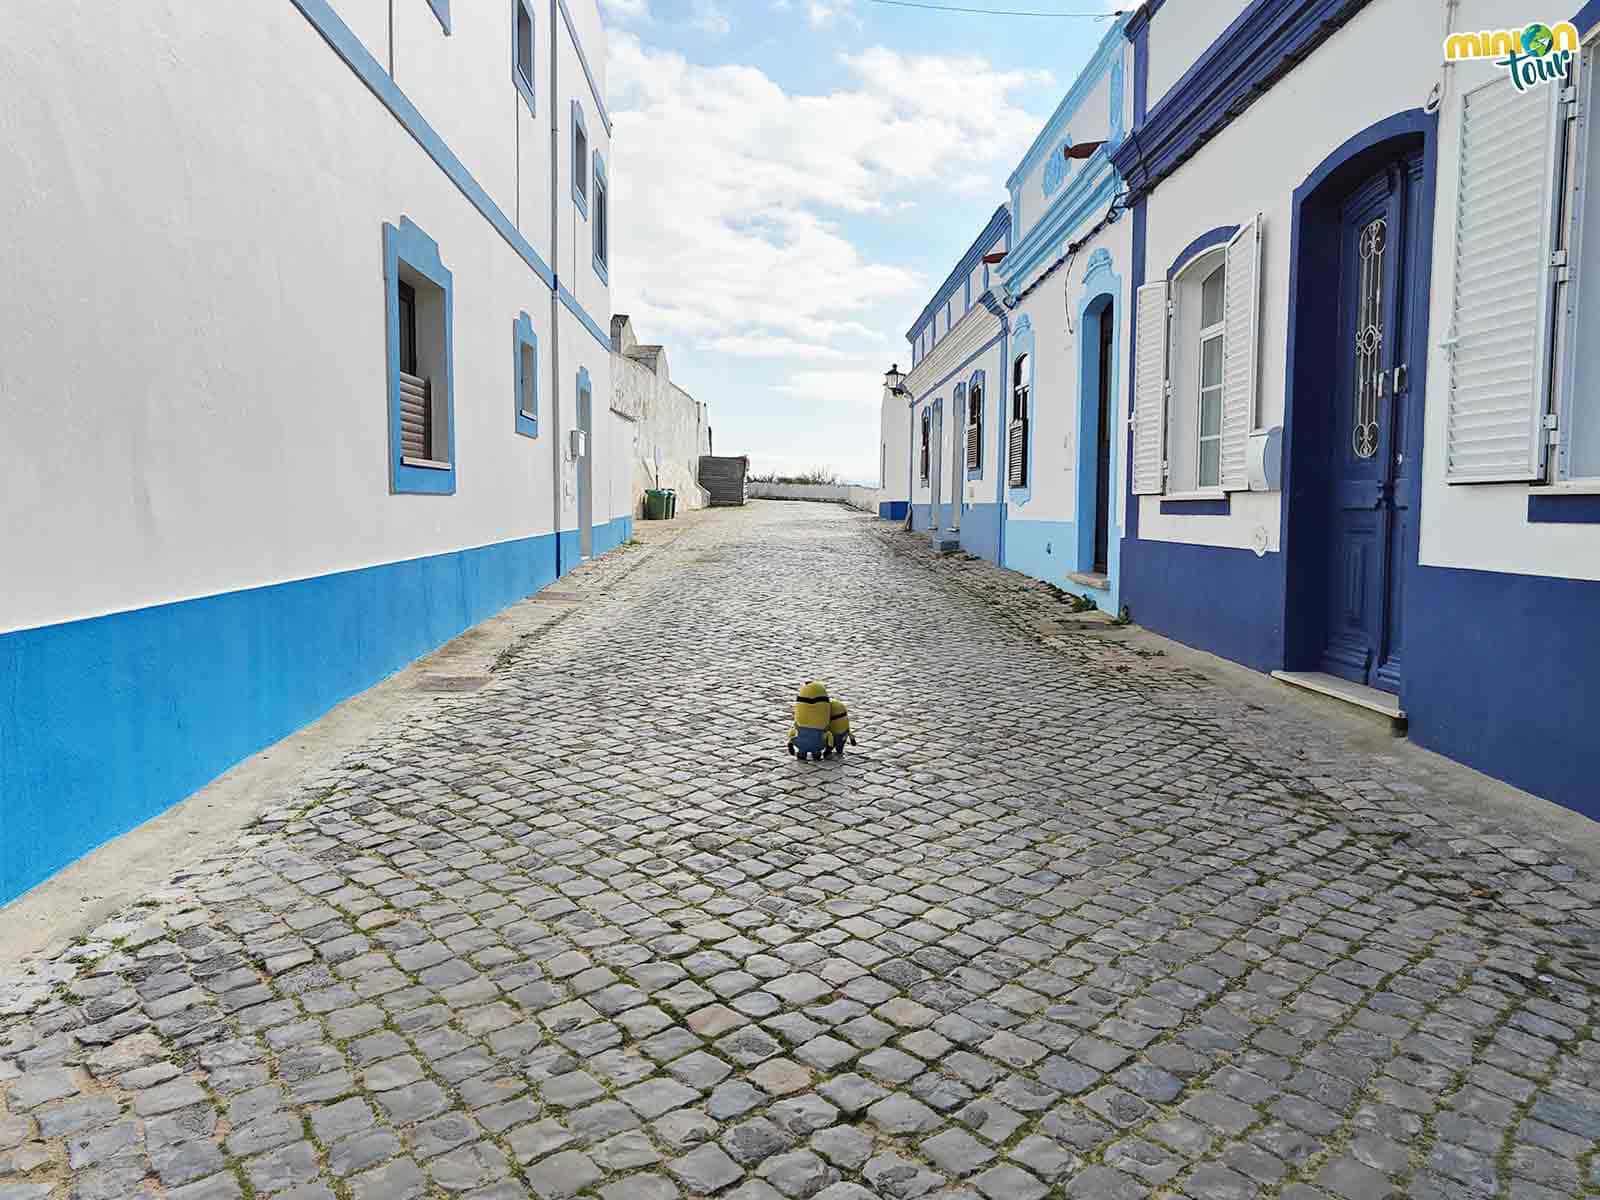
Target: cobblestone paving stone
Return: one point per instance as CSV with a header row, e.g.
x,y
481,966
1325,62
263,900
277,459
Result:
x,y
1071,921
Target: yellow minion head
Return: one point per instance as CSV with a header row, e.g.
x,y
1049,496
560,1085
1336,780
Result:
x,y
811,707
839,720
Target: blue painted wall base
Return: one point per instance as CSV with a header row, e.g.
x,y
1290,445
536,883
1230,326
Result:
x,y
1051,551
980,531
106,722
893,510
1221,600
1506,685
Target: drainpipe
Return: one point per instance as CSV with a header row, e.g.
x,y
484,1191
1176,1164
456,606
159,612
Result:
x,y
555,289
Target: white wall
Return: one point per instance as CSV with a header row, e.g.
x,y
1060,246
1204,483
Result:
x,y
1090,121
1182,30
195,375
1057,376
662,417
894,446
1231,179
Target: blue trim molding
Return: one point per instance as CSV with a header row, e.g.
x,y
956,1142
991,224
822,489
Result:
x,y
1203,507
410,246
580,162
1093,188
441,9
1563,508
139,709
1262,45
1101,301
583,61
602,199
1208,240
1057,168
977,381
570,303
524,86
522,334
996,228
1108,52
350,48
1021,343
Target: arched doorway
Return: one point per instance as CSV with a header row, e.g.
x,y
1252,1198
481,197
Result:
x,y
1353,418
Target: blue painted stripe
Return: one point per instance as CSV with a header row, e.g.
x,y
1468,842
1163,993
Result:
x,y
893,510
108,721
583,61
350,48
588,322
1207,507
1558,509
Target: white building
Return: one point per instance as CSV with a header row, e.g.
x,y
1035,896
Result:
x,y
306,315
665,430
1365,445
1065,294
1009,425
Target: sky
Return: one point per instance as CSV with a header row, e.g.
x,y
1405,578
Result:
x,y
794,178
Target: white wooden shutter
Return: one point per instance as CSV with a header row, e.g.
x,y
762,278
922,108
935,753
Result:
x,y
1499,340
1242,334
1150,390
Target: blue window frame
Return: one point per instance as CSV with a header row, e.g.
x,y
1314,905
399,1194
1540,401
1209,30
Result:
x,y
525,370
580,160
441,9
419,298
1017,447
602,219
976,399
522,47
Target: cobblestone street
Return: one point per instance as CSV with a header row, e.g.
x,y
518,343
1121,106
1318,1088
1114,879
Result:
x,y
1071,920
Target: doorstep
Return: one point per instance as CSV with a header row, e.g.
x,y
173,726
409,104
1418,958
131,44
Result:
x,y
1384,704
1090,579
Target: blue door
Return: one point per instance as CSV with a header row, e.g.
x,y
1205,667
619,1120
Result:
x,y
1372,469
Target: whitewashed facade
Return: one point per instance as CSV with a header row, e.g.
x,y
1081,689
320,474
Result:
x,y
307,371
1032,322
1392,359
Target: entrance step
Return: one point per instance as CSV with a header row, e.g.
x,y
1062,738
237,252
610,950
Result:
x,y
1090,579
1382,704
947,539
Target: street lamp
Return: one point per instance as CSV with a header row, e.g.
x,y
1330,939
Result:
x,y
895,381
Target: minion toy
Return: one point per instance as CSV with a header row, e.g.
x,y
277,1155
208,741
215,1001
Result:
x,y
839,726
812,714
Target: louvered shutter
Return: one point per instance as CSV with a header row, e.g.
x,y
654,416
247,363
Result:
x,y
975,428
416,417
1150,390
1499,340
1242,329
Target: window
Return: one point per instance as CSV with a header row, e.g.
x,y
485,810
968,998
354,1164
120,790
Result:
x,y
580,160
1194,377
975,425
601,218
925,435
1212,330
1017,428
1522,403
522,51
419,300
525,403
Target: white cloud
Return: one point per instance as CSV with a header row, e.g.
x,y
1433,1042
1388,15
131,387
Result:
x,y
627,12
708,17
729,189
822,13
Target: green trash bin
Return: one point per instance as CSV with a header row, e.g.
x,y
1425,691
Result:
x,y
655,504
672,504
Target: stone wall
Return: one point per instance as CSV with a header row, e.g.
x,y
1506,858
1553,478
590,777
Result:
x,y
864,498
663,418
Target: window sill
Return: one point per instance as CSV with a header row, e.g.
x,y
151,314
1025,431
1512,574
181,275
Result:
x,y
1569,487
600,270
1565,505
580,202
427,464
1209,502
